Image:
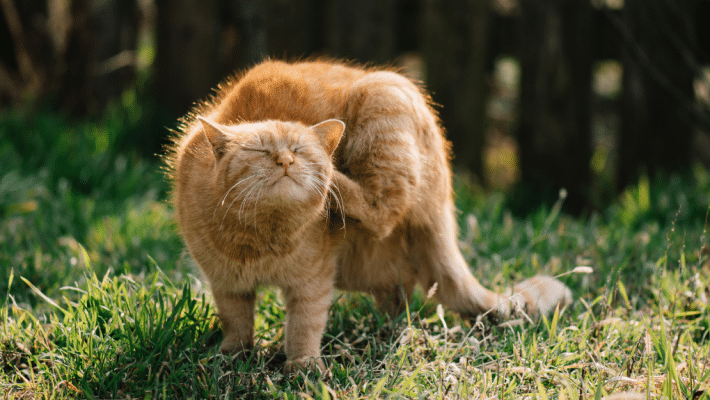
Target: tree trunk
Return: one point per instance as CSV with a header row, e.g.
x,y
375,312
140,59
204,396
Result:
x,y
81,50
455,52
295,28
658,97
114,59
27,53
361,30
186,66
554,132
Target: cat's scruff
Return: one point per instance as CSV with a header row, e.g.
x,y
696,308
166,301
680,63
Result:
x,y
316,175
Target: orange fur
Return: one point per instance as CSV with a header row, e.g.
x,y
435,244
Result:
x,y
378,217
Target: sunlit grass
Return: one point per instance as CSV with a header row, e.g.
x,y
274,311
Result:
x,y
99,299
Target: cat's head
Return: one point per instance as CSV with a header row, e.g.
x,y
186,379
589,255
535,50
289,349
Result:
x,y
272,165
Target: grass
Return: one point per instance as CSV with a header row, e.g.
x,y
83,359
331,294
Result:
x,y
99,299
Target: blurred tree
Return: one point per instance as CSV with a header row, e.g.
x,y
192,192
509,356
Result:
x,y
80,52
246,20
188,38
295,28
658,99
26,52
455,50
115,26
554,131
362,30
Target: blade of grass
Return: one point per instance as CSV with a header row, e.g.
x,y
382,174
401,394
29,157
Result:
x,y
42,295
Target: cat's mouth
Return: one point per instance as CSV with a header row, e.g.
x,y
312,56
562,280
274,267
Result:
x,y
282,179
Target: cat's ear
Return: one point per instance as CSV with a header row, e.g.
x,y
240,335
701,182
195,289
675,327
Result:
x,y
216,136
329,131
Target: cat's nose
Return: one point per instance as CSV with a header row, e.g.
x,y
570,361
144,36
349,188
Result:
x,y
284,159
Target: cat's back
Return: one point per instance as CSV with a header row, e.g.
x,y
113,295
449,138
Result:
x,y
308,92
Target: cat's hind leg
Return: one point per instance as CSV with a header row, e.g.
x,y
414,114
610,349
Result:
x,y
393,299
380,168
379,267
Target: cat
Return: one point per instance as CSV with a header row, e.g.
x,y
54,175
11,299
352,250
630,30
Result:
x,y
317,175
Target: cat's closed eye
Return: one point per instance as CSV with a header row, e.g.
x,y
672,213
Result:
x,y
255,149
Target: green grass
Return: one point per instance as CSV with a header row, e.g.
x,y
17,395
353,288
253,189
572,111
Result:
x,y
99,299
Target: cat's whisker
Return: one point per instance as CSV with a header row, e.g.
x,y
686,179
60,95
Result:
x,y
322,177
235,185
312,187
323,189
311,162
246,198
319,166
339,202
256,191
220,203
317,184
333,188
221,200
256,203
251,185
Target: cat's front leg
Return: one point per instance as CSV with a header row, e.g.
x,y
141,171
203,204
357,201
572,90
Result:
x,y
236,313
306,316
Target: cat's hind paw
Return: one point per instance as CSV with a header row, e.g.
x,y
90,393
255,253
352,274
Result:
x,y
540,295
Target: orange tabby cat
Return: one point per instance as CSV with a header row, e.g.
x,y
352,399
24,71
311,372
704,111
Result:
x,y
267,192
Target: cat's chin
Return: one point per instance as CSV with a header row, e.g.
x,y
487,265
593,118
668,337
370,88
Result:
x,y
286,188
285,180
288,192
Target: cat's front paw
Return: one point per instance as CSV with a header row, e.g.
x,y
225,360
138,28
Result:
x,y
540,295
235,345
304,363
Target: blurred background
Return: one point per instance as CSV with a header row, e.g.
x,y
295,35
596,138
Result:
x,y
536,95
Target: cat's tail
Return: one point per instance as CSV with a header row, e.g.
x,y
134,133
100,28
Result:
x,y
440,261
